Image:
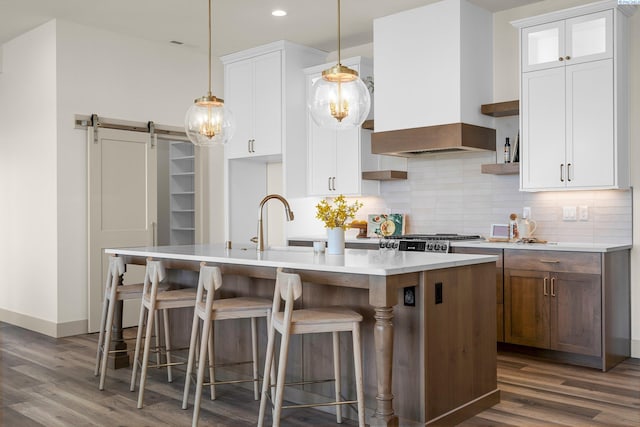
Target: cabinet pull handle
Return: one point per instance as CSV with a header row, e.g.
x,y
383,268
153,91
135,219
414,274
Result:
x,y
333,183
329,183
550,261
253,145
248,145
561,172
561,59
545,286
569,172
567,57
553,286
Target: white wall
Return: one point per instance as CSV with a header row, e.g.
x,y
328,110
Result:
x,y
28,170
72,69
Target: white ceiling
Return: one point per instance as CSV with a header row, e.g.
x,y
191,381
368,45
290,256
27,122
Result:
x,y
237,24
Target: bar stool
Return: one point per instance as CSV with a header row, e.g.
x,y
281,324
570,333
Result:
x,y
112,294
152,301
208,309
308,321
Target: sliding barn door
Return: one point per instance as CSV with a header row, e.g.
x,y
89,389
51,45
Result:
x,y
122,172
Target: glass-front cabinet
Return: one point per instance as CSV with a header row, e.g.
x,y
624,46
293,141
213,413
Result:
x,y
566,42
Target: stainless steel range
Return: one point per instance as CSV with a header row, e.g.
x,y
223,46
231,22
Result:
x,y
423,242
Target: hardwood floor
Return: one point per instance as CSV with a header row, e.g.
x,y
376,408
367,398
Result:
x,y
49,382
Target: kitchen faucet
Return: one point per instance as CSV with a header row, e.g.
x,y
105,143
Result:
x,y
288,214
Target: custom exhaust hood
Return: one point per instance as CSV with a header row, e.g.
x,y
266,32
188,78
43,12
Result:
x,y
433,69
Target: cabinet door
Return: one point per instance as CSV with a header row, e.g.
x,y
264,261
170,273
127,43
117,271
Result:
x,y
591,147
589,37
348,167
526,308
322,159
576,313
239,98
543,129
543,46
267,102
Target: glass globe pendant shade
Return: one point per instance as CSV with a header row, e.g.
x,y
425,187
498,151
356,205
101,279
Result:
x,y
339,99
208,122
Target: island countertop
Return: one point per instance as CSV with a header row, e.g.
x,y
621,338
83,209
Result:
x,y
354,261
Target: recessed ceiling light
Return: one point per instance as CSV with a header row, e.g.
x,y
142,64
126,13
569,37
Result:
x,y
279,12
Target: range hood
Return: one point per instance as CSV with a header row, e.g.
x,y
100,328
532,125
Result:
x,y
433,70
426,140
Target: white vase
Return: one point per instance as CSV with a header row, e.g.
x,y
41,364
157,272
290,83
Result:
x,y
335,241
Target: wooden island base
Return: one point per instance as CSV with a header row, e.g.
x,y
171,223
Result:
x,y
433,363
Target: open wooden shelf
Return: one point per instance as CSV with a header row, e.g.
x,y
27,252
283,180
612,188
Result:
x,y
501,109
501,168
386,175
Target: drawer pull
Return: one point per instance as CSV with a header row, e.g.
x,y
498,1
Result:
x,y
550,261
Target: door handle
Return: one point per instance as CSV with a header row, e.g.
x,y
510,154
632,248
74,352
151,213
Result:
x,y
545,286
553,286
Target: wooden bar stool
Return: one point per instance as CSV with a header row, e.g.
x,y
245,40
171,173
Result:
x,y
208,309
152,301
112,294
308,321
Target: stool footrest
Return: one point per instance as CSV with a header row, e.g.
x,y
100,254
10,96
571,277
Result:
x,y
312,405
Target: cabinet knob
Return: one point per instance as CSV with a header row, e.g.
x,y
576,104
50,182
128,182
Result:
x,y
561,59
567,57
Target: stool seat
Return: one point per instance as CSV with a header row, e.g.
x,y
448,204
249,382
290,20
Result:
x,y
308,319
239,304
188,294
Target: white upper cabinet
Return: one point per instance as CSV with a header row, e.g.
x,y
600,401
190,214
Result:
x,y
566,42
573,102
253,92
337,158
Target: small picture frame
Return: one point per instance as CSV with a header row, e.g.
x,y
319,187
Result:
x,y
499,232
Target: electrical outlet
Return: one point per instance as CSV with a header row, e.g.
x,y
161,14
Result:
x,y
410,296
569,213
438,293
583,213
526,212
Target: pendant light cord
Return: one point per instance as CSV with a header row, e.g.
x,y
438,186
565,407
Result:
x,y
209,48
339,32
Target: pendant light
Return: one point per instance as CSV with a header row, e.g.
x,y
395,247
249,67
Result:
x,y
339,99
208,122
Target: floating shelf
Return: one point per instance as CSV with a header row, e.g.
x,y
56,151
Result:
x,y
367,124
501,168
386,175
501,109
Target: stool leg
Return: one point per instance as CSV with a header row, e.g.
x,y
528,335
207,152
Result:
x,y
107,342
136,354
204,340
269,372
192,356
167,343
254,355
145,356
103,319
282,370
357,363
336,372
212,361
157,333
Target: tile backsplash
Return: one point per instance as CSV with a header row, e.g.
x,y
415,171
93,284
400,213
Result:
x,y
447,193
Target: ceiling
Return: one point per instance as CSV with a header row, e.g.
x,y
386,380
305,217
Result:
x,y
237,24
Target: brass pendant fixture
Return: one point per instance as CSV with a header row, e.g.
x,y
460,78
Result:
x,y
339,99
208,121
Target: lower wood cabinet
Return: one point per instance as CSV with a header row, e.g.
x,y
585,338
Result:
x,y
553,310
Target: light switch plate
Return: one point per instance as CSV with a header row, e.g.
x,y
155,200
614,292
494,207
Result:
x,y
583,213
569,213
526,212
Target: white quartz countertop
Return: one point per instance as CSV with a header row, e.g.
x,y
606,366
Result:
x,y
354,261
551,246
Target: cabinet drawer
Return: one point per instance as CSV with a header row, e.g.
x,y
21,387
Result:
x,y
569,262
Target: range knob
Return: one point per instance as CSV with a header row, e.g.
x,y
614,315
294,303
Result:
x,y
436,247
429,246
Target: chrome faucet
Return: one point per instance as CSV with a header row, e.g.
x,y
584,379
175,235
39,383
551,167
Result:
x,y
287,210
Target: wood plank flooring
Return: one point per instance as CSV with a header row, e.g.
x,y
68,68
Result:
x,y
49,382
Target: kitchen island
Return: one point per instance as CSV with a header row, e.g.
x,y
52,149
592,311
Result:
x,y
435,353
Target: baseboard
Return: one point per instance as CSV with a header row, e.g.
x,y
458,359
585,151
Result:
x,y
45,327
635,348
